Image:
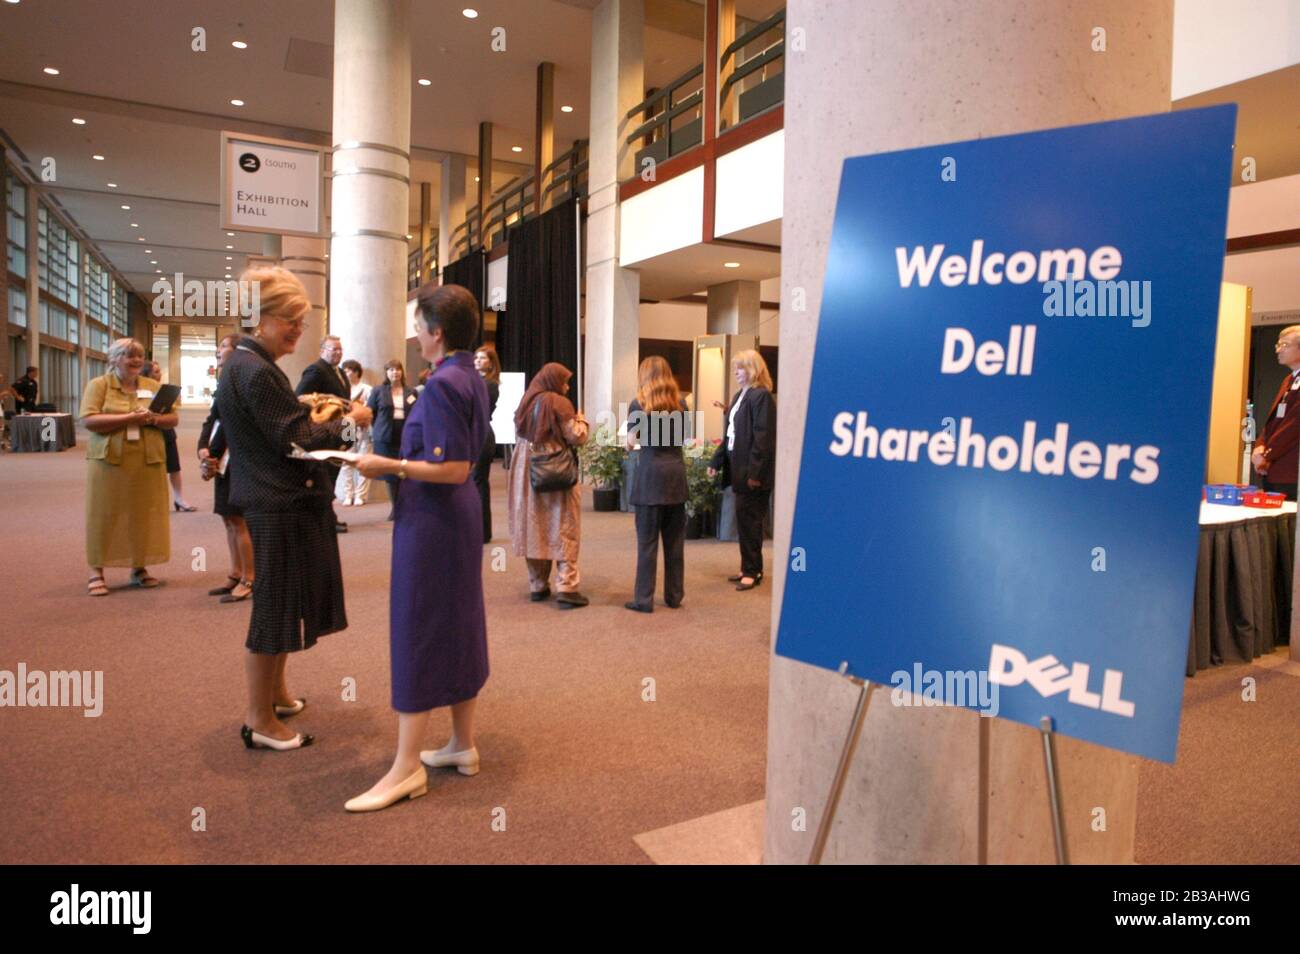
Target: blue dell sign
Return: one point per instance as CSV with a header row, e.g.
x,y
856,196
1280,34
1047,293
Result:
x,y
1006,429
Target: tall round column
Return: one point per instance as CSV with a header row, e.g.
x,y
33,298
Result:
x,y
371,179
305,257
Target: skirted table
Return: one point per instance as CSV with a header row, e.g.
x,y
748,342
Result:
x,y
29,432
1242,607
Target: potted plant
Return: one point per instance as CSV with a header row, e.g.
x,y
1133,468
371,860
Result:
x,y
602,466
703,495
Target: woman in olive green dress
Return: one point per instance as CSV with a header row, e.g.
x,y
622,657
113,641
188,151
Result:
x,y
127,503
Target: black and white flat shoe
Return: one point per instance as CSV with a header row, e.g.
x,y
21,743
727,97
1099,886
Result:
x,y
298,706
256,740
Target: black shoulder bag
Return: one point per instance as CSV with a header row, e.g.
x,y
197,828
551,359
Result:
x,y
551,468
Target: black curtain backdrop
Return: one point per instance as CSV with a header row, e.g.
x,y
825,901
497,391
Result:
x,y
540,323
470,271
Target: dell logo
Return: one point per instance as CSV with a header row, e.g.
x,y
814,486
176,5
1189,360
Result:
x,y
1010,667
249,162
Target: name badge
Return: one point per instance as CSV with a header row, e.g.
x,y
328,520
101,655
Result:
x,y
144,395
132,433
399,413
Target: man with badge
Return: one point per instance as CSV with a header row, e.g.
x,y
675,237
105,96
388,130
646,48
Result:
x,y
1277,455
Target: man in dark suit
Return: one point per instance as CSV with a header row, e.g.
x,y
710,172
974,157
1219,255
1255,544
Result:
x,y
1277,454
324,376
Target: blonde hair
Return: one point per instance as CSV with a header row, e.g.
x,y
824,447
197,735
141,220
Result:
x,y
753,362
281,293
122,348
656,387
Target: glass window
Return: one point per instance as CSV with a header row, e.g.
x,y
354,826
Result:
x,y
17,306
97,291
16,225
72,330
57,254
121,322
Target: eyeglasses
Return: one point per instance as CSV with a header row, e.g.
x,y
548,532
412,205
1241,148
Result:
x,y
1290,343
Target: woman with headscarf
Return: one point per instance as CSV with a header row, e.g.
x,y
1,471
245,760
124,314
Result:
x,y
545,526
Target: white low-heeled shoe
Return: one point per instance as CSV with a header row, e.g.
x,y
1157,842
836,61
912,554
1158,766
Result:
x,y
466,761
256,740
414,786
298,706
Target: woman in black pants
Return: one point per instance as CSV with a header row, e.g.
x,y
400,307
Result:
x,y
747,460
488,365
391,404
657,420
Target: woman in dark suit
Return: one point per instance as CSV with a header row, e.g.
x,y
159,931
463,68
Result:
x,y
657,420
391,403
438,628
488,365
747,460
298,593
212,448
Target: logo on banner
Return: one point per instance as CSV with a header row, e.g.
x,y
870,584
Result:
x,y
249,162
1046,674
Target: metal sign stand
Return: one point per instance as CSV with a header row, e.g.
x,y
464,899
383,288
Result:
x,y
1053,787
842,770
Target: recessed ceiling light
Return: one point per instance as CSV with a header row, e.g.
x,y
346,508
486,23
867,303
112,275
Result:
x,y
566,109
516,148
239,44
230,246
127,208
97,158
469,12
148,251
157,271
230,258
236,102
78,121
410,236
111,185
140,239
424,82
52,71
135,225
476,178
731,264
231,234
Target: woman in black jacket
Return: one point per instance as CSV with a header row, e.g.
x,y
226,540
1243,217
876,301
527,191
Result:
x,y
391,403
488,365
657,420
747,460
298,593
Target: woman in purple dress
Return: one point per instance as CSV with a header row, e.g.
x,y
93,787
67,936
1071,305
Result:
x,y
438,631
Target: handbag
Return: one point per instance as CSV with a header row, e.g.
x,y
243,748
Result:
x,y
552,468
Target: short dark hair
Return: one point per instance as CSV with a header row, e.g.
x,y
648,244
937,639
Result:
x,y
452,308
31,368
353,365
235,338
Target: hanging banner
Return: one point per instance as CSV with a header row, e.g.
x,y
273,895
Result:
x,y
272,185
1006,431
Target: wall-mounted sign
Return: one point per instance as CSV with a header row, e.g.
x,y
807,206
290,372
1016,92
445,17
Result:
x,y
272,185
1006,430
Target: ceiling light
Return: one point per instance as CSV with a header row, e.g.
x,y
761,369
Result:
x,y
230,258
236,102
566,109
476,178
97,158
731,264
140,239
111,185
153,261
126,208
230,246
469,12
231,234
52,71
157,271
516,148
78,121
424,82
135,225
239,44
148,251
410,236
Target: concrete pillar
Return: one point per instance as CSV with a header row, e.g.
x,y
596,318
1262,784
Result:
x,y
426,232
930,785
733,308
481,238
5,361
33,290
371,180
79,385
451,205
544,133
305,257
613,294
173,369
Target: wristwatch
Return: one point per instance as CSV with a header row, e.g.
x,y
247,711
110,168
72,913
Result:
x,y
401,471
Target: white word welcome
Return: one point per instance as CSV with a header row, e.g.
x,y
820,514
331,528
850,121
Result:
x,y
1018,268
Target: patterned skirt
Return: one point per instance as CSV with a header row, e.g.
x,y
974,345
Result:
x,y
298,592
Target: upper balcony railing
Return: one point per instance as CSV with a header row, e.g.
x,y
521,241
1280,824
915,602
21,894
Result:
x,y
755,82
413,277
674,120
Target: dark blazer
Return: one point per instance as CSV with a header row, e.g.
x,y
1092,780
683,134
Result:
x,y
660,475
216,447
27,391
321,377
1282,436
755,452
386,429
261,417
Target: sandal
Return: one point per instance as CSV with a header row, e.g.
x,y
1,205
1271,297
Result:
x,y
141,578
96,586
232,582
234,596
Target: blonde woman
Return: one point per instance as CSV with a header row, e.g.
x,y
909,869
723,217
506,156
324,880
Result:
x,y
657,421
747,460
298,586
127,500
